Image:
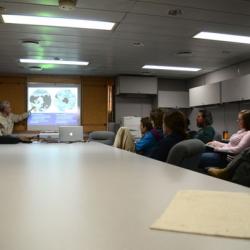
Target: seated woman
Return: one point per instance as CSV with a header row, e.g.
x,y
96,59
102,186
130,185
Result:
x,y
237,143
204,120
174,129
125,140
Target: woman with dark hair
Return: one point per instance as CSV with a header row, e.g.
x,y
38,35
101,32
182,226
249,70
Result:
x,y
237,143
174,129
204,120
156,116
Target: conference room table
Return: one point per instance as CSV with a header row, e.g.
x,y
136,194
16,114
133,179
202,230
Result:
x,y
89,196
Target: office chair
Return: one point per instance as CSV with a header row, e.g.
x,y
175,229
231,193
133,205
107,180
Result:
x,y
105,137
186,154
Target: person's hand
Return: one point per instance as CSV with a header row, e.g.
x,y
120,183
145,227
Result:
x,y
211,143
33,108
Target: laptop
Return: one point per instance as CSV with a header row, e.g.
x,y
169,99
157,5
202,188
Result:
x,y
70,133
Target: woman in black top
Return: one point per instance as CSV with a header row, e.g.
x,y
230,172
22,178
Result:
x,y
174,129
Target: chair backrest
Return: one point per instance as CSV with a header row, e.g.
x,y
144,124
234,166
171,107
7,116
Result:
x,y
105,137
239,168
186,154
217,136
191,134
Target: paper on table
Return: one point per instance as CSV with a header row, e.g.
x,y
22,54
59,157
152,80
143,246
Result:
x,y
208,212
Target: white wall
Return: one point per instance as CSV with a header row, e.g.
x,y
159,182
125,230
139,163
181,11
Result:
x,y
224,115
221,75
141,105
132,106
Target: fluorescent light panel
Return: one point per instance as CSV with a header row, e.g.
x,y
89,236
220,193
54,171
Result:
x,y
223,37
173,68
58,22
54,62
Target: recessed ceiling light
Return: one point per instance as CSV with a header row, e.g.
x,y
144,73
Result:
x,y
223,37
173,68
81,63
58,22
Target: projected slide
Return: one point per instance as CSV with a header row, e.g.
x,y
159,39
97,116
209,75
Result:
x,y
53,106
40,100
65,100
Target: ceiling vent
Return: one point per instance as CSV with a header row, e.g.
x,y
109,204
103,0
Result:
x,y
67,4
35,68
30,43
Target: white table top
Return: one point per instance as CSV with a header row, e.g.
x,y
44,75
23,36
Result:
x,y
89,196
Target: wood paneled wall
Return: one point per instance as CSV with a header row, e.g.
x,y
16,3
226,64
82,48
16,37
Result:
x,y
54,79
95,102
94,96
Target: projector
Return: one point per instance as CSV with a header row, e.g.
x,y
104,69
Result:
x,y
67,4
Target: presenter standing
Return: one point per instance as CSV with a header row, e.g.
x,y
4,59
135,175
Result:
x,y
7,119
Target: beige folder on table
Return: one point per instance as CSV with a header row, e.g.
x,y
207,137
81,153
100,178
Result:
x,y
208,212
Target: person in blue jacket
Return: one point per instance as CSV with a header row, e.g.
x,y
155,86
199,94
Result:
x,y
152,134
126,141
148,139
